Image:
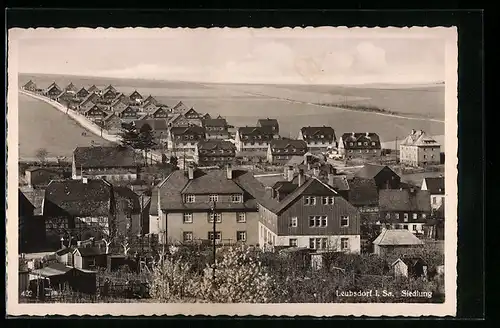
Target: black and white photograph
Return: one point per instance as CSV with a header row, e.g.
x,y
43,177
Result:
x,y
229,171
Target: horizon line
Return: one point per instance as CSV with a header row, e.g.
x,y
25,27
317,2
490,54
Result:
x,y
439,82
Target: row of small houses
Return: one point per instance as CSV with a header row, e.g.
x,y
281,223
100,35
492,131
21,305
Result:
x,y
181,128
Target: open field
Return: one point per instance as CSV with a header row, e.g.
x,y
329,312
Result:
x,y
243,104
43,126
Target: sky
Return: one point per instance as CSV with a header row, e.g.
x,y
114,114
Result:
x,y
244,56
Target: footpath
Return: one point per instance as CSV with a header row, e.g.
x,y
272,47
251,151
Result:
x,y
85,123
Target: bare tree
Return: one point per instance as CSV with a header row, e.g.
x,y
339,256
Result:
x,y
41,154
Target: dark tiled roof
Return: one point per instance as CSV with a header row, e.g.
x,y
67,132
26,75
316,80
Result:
x,y
155,124
363,192
435,185
253,187
312,186
187,130
73,197
64,251
29,84
369,171
112,156
53,269
282,144
212,182
216,145
217,122
399,237
93,88
315,132
180,107
285,187
255,131
364,137
24,201
268,122
395,200
89,251
296,160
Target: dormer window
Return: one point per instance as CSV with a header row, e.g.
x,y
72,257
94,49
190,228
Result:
x,y
351,143
190,198
213,198
236,198
328,200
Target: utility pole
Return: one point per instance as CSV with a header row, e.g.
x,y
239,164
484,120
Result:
x,y
396,149
212,209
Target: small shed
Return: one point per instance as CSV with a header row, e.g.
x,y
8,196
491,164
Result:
x,y
409,267
89,258
65,255
390,240
57,275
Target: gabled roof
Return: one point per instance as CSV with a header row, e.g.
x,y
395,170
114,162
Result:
x,y
180,107
296,160
409,261
89,251
190,110
23,200
288,144
211,182
54,86
71,87
95,107
356,136
155,124
109,87
396,200
339,183
30,84
216,122
397,237
64,251
76,198
82,89
112,91
151,99
315,133
370,171
92,97
165,108
435,185
363,192
270,122
99,157
93,88
419,138
128,107
110,116
216,145
285,187
207,116
312,186
135,95
187,130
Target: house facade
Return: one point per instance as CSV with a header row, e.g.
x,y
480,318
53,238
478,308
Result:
x,y
159,128
318,139
39,177
214,153
96,114
82,93
281,151
314,216
135,97
407,209
53,91
253,139
129,113
113,163
149,107
152,100
89,258
30,86
112,123
435,186
184,139
360,145
188,203
215,128
118,106
161,112
419,149
108,96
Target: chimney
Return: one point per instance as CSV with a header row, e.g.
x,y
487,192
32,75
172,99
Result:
x,y
190,172
367,134
229,172
413,131
316,171
301,177
352,134
289,173
84,180
330,179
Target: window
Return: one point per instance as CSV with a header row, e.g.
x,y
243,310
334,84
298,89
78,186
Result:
x,y
396,215
405,215
373,143
294,222
318,221
190,198
359,143
424,216
387,216
187,236
328,200
405,226
292,242
213,198
309,200
414,227
344,244
218,235
318,243
187,218
241,217
218,217
241,235
365,143
434,200
351,143
344,221
415,216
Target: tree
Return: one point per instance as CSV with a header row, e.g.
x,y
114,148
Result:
x,y
174,162
41,154
145,139
129,136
